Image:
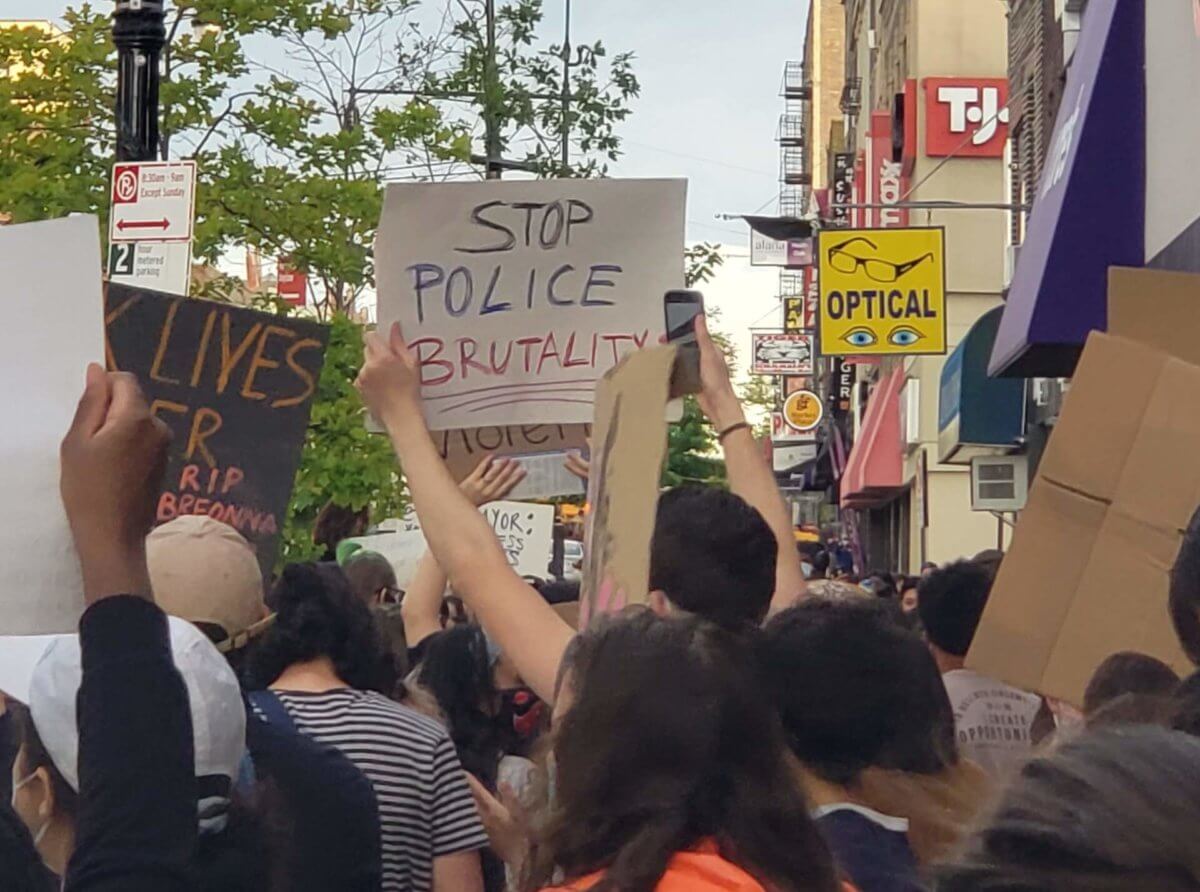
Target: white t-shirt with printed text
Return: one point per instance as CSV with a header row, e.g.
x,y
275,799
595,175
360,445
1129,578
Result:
x,y
993,721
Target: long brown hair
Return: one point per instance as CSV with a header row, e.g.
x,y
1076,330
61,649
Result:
x,y
671,743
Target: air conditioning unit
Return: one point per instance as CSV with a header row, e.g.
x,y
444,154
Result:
x,y
999,483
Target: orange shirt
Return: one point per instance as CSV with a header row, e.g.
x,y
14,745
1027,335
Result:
x,y
702,870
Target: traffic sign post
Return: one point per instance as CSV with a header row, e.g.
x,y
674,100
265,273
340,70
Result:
x,y
150,227
155,266
153,201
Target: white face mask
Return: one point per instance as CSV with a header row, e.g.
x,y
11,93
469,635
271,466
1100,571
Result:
x,y
807,569
40,834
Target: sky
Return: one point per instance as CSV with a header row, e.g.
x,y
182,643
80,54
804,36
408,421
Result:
x,y
710,72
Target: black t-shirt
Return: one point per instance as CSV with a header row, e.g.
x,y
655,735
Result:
x,y
871,849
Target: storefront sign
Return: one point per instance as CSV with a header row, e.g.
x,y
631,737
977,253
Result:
x,y
842,189
883,292
841,387
803,411
783,433
793,315
782,354
793,253
889,185
966,117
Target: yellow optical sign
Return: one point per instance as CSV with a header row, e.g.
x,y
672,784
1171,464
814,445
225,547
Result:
x,y
883,291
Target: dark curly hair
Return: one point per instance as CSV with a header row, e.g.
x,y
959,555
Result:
x,y
670,742
457,672
950,603
318,615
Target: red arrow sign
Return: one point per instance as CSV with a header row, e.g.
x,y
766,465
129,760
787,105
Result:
x,y
143,224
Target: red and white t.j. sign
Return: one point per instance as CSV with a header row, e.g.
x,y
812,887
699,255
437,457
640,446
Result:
x,y
966,117
153,201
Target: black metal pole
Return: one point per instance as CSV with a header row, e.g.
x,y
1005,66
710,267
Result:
x,y
491,95
566,91
139,32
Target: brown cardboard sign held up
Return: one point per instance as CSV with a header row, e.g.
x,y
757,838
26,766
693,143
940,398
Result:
x,y
629,444
1088,572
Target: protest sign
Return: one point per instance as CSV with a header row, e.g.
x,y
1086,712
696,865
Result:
x,y
235,386
1088,573
462,450
629,446
518,296
55,322
525,532
882,291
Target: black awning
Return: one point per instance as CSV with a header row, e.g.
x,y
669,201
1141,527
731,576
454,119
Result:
x,y
781,228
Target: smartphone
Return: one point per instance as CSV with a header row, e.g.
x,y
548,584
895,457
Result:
x,y
682,308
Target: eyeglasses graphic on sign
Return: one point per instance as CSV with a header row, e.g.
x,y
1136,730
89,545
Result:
x,y
876,269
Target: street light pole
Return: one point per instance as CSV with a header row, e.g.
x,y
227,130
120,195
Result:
x,y
139,33
491,95
566,92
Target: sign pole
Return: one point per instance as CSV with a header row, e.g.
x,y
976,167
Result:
x,y
139,34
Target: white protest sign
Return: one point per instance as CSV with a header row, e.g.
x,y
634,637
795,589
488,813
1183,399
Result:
x,y
55,320
525,532
519,295
546,476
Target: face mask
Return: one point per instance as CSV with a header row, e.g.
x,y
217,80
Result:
x,y
807,569
41,831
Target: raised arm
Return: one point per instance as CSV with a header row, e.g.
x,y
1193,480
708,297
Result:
x,y
136,825
750,475
492,479
514,615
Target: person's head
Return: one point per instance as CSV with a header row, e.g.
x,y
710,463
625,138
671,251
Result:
x,y
880,584
950,603
669,742
205,571
336,523
1113,810
928,567
908,593
1128,673
318,617
45,772
457,671
712,556
1185,591
372,577
854,690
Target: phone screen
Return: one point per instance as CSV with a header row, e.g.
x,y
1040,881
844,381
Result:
x,y
682,307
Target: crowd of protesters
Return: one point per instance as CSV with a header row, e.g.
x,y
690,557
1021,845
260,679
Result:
x,y
767,722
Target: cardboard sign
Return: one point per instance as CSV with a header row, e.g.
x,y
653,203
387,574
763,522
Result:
x,y
1088,572
55,328
524,531
519,295
463,450
782,354
629,446
235,386
883,291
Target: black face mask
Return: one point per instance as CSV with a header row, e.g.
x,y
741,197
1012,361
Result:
x,y
522,712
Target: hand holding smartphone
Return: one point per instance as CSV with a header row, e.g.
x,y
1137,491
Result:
x,y
682,308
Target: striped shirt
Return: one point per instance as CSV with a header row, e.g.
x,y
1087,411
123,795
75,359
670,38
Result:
x,y
425,806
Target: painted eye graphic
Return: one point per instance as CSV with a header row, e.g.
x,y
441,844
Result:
x,y
860,337
904,336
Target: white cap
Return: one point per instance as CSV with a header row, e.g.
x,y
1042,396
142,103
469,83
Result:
x,y
45,672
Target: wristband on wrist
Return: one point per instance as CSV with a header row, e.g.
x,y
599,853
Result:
x,y
733,428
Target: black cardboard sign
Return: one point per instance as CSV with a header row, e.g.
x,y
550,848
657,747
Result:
x,y
236,387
